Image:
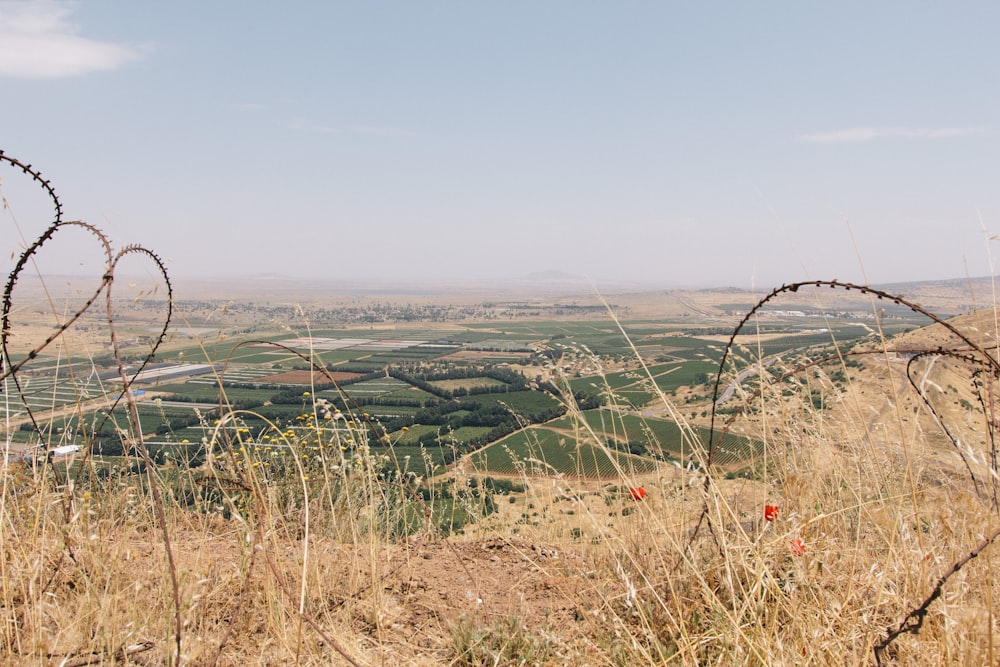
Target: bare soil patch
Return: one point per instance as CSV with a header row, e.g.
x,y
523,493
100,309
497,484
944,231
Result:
x,y
467,383
430,587
402,601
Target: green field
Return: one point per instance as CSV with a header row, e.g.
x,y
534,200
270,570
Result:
x,y
414,434
541,451
382,391
655,435
520,402
682,359
423,461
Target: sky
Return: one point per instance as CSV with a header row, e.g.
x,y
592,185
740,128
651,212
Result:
x,y
662,143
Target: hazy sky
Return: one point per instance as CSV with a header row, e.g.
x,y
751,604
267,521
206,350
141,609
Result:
x,y
694,143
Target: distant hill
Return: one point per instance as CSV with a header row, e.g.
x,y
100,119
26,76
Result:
x,y
554,276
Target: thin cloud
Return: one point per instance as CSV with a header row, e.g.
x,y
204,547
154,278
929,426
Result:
x,y
856,134
37,41
308,126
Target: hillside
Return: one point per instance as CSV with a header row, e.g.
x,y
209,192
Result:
x,y
931,395
856,504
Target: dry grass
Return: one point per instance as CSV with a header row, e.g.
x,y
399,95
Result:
x,y
571,572
308,565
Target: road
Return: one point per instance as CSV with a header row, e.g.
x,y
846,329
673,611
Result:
x,y
728,392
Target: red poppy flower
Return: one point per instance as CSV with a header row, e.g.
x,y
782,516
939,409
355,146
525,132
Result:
x,y
797,546
771,512
637,492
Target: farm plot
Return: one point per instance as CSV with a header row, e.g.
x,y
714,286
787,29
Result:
x,y
255,422
378,387
657,435
52,392
246,355
424,433
390,411
308,378
407,355
468,383
541,451
524,330
633,388
673,376
465,356
682,348
335,351
424,461
384,391
218,352
203,391
246,374
837,335
601,337
525,403
629,389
